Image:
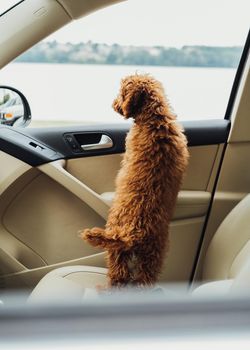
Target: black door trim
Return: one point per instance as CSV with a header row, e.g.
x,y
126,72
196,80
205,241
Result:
x,y
237,78
37,146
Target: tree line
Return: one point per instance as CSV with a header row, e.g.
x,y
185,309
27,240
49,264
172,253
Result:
x,y
95,53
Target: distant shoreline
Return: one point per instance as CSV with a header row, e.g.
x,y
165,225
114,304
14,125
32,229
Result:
x,y
121,65
157,56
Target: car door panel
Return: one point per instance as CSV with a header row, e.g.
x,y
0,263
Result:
x,y
43,206
37,146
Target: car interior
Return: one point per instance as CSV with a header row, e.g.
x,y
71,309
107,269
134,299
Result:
x,y
53,183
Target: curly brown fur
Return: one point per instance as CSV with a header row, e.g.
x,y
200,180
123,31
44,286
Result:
x,y
136,232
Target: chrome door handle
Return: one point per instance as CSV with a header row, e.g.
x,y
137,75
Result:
x,y
105,142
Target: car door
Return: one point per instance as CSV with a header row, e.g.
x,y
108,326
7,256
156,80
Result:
x,y
56,181
54,184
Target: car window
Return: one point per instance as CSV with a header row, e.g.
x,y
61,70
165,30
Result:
x,y
7,4
191,47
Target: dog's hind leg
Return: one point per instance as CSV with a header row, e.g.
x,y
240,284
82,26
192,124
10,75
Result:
x,y
147,272
119,273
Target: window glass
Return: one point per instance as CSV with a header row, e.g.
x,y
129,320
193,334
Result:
x,y
192,47
7,4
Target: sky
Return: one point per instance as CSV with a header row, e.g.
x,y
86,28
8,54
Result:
x,y
161,22
164,22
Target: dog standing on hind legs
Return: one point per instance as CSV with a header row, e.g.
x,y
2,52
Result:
x,y
136,233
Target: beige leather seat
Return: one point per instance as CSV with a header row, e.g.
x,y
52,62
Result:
x,y
71,283
226,268
227,261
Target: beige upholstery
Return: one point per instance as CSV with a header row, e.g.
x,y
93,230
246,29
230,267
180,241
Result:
x,y
213,289
242,280
227,261
71,283
227,265
238,285
229,250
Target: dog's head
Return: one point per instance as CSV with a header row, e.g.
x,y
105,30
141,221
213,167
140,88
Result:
x,y
138,93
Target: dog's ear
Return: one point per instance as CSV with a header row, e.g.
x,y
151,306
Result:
x,y
134,101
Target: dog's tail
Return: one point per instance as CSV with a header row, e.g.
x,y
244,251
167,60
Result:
x,y
96,237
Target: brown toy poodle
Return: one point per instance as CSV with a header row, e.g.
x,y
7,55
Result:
x,y
136,232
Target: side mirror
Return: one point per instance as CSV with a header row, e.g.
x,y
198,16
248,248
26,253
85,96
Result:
x,y
14,107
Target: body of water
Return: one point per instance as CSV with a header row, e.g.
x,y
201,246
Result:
x,y
84,93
